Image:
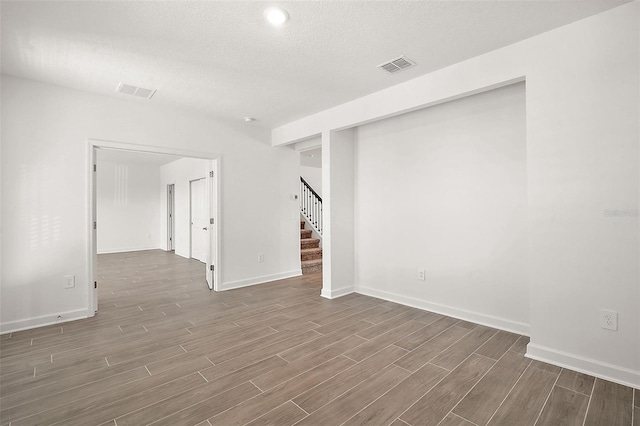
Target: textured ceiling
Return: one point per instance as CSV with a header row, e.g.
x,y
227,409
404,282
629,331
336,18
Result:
x,y
221,59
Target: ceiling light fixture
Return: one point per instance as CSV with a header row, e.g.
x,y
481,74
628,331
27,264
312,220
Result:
x,y
276,16
249,119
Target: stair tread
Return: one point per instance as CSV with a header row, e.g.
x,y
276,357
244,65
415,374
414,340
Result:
x,y
311,262
311,250
308,243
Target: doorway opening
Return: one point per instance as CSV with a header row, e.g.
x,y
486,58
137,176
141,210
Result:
x,y
311,210
210,210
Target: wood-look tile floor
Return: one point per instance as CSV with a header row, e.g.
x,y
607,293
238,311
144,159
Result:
x,y
165,350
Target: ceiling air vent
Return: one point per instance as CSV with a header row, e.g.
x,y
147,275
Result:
x,y
136,91
398,64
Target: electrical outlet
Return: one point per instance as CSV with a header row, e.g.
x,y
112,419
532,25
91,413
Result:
x,y
260,257
421,274
609,319
69,281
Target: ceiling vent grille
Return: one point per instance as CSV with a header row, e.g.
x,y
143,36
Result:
x,y
135,91
398,64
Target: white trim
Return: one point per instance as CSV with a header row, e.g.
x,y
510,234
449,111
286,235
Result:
x,y
49,319
171,225
592,367
334,294
128,249
475,317
92,239
123,146
260,280
216,167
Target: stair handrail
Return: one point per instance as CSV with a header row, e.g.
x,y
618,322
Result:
x,y
311,205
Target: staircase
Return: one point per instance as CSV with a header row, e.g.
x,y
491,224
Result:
x,y
310,251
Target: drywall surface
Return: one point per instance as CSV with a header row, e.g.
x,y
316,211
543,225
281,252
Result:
x,y
313,176
444,189
128,206
338,250
582,131
180,173
45,151
582,153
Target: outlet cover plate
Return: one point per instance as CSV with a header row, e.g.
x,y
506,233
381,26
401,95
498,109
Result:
x,y
609,319
69,281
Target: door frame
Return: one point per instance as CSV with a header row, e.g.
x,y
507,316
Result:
x,y
214,255
171,223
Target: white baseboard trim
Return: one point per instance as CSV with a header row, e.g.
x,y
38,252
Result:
x,y
592,367
260,280
126,250
478,318
44,320
339,292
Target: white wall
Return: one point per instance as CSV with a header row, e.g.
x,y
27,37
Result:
x,y
445,189
582,152
180,173
45,170
128,206
338,249
313,176
583,140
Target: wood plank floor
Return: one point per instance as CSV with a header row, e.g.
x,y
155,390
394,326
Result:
x,y
165,350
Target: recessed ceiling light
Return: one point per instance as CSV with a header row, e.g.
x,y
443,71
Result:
x,y
249,119
276,16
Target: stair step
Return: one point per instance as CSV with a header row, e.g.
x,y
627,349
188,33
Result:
x,y
311,254
302,223
311,266
307,243
305,233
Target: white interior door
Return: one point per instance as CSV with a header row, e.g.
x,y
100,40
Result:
x,y
199,220
212,241
170,217
93,285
